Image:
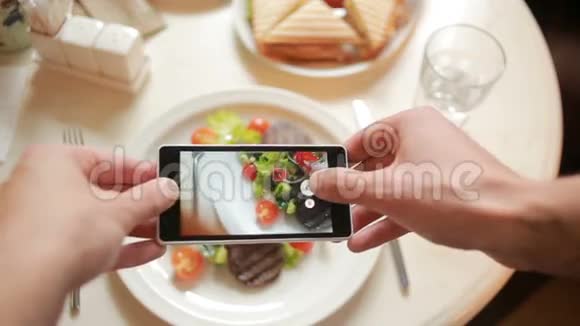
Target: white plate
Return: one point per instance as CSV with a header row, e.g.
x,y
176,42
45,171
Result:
x,y
244,31
321,284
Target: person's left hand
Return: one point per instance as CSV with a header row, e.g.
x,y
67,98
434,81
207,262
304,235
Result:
x,y
65,211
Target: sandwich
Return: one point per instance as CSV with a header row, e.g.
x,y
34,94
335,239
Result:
x,y
268,13
312,32
375,20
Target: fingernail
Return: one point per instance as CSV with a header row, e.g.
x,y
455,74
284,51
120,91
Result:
x,y
169,188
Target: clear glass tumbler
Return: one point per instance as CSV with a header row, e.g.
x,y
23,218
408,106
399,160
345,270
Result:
x,y
460,66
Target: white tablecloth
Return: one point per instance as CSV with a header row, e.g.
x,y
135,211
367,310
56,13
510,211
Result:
x,y
520,122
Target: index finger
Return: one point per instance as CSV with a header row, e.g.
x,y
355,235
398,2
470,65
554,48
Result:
x,y
355,148
377,140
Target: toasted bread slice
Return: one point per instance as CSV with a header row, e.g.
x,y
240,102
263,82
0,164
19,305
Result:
x,y
307,52
375,20
268,13
313,23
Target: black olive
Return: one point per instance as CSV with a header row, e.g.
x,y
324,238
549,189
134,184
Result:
x,y
295,190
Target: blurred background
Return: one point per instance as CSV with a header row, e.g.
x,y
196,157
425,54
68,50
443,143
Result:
x,y
534,299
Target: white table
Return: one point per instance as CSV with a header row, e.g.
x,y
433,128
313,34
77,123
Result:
x,y
520,123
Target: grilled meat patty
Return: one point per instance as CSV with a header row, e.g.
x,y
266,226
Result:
x,y
255,265
285,133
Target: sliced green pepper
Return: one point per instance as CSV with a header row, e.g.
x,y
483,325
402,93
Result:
x,y
291,208
221,256
282,191
258,188
292,256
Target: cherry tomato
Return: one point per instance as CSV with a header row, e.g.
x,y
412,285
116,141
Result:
x,y
250,172
279,174
305,159
335,3
267,212
204,136
305,247
188,263
260,125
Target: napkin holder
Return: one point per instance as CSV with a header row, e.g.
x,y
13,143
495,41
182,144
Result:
x,y
108,55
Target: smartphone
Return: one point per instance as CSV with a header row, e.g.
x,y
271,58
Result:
x,y
250,194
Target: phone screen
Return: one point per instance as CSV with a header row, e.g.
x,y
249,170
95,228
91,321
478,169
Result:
x,y
250,192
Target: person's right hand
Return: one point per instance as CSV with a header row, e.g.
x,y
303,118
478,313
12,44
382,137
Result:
x,y
430,178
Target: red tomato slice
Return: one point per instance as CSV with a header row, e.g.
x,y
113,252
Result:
x,y
260,125
305,247
250,172
204,136
335,3
267,212
305,159
279,174
188,263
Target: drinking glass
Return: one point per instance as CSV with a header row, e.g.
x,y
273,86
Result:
x,y
460,65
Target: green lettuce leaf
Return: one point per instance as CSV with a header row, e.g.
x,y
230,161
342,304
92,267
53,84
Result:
x,y
242,135
224,121
292,256
231,129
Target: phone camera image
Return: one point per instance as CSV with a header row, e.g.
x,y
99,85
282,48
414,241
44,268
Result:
x,y
251,193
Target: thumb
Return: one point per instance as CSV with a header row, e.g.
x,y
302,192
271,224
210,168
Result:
x,y
348,186
147,200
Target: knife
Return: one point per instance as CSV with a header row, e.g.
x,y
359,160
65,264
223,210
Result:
x,y
363,119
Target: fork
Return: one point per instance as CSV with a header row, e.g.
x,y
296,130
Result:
x,y
74,137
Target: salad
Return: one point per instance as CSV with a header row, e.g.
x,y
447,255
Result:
x,y
277,181
252,265
190,262
224,127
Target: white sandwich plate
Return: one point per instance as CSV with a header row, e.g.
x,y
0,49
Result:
x,y
323,70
